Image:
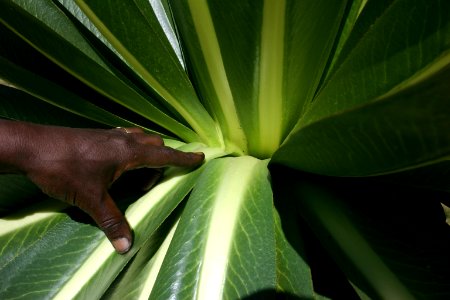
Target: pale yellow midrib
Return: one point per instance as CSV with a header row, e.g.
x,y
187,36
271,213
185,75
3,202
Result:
x,y
270,95
213,58
147,77
229,198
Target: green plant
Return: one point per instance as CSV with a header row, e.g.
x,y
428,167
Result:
x,y
354,92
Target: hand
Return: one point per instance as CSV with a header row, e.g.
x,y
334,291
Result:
x,y
78,166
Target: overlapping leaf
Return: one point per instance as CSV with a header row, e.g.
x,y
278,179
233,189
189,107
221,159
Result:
x,y
401,253
363,84
49,30
152,58
87,263
225,245
403,131
58,96
257,63
382,111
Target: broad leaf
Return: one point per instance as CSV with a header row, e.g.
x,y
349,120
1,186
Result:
x,y
293,271
151,268
141,273
257,63
145,216
90,269
40,249
220,246
407,75
344,88
386,57
376,138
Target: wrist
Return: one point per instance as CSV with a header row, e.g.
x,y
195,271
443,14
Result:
x,y
16,147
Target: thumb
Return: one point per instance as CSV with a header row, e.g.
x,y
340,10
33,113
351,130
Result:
x,y
113,223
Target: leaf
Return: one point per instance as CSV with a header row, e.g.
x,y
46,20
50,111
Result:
x,y
115,58
392,242
40,249
447,213
390,53
145,216
80,251
293,271
18,105
257,63
45,27
353,11
58,96
139,278
158,67
347,88
363,135
327,218
375,138
221,247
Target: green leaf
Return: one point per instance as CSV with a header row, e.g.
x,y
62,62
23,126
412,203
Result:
x,y
114,57
224,242
387,55
338,232
293,272
343,88
364,133
18,105
45,27
139,278
257,63
144,216
392,242
40,249
447,212
405,130
58,96
354,9
79,251
157,67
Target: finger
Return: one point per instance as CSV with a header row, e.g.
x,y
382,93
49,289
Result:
x,y
113,223
158,157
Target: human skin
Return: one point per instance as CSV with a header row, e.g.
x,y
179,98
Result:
x,y
78,166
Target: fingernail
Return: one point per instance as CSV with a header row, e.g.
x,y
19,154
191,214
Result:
x,y
122,245
199,153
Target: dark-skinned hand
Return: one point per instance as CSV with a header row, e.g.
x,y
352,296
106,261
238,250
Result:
x,y
78,166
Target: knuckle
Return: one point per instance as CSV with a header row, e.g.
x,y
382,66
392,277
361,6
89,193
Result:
x,y
111,224
158,140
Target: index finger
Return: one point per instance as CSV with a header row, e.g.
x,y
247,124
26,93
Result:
x,y
163,156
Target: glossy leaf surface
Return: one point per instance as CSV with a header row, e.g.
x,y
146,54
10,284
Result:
x,y
51,32
157,67
407,75
341,88
271,68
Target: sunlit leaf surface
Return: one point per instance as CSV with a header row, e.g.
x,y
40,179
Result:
x,y
336,88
